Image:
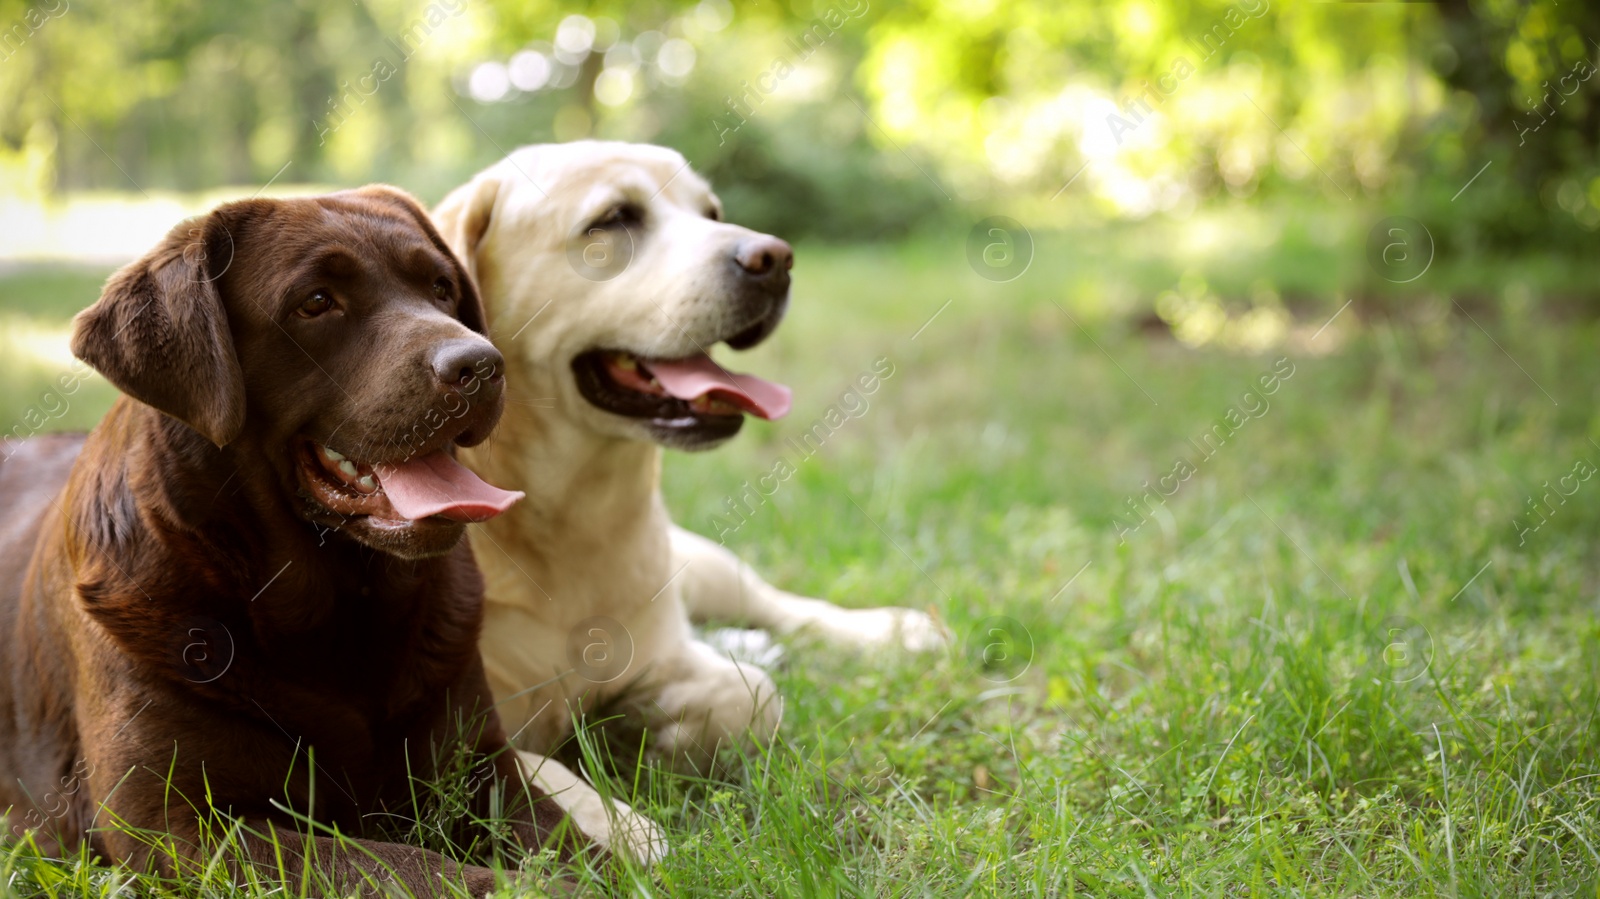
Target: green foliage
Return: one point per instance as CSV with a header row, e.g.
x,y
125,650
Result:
x,y
896,114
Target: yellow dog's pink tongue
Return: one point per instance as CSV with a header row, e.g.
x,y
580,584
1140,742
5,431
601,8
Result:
x,y
692,378
436,484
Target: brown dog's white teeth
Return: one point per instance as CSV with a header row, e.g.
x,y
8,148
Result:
x,y
626,363
353,475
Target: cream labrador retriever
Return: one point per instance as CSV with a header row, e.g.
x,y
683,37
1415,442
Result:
x,y
609,275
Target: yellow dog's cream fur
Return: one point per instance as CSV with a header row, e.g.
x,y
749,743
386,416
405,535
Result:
x,y
593,538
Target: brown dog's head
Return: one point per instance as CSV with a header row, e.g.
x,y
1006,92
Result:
x,y
610,268
333,341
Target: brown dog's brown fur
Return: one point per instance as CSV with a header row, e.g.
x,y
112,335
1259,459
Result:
x,y
184,630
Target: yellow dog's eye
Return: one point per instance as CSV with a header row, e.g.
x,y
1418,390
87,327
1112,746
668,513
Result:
x,y
443,289
319,302
620,214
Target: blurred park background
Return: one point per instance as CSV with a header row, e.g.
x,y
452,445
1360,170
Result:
x,y
1239,164
850,120
1216,172
1357,654
1244,152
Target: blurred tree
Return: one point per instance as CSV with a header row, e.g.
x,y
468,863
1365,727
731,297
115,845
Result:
x,y
1525,71
834,117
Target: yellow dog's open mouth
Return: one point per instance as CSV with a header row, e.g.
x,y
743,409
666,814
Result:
x,y
675,392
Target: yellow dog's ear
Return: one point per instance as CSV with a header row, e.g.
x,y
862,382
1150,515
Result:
x,y
159,331
463,217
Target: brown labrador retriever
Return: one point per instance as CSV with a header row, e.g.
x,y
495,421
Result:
x,y
246,592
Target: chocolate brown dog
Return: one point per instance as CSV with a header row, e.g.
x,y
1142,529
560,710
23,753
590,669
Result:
x,y
246,593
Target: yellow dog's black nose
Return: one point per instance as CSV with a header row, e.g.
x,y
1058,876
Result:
x,y
762,255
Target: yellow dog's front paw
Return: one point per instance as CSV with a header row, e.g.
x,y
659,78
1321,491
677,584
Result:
x,y
613,825
636,837
909,629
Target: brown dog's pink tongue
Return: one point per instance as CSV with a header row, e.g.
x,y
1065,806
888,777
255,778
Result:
x,y
436,484
696,376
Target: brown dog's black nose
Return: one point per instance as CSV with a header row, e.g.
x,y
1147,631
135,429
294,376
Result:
x,y
763,254
458,363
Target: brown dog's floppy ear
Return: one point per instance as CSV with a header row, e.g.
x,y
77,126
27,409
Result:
x,y
464,215
471,310
159,331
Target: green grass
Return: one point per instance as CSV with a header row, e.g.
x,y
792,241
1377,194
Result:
x,y
1326,666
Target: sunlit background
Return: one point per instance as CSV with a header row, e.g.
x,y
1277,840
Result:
x,y
855,121
1213,140
1233,157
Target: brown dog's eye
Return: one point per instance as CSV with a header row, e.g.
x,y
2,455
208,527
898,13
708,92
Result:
x,y
443,289
319,302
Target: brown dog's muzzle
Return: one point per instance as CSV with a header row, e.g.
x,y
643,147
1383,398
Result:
x,y
473,368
